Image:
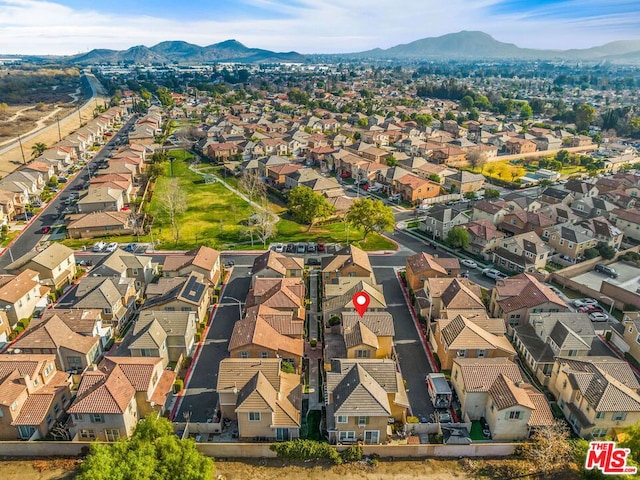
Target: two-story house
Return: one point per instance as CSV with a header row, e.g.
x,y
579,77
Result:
x,y
19,294
265,401
202,260
339,297
276,265
551,335
484,237
127,265
441,219
184,294
626,335
516,298
350,261
56,265
596,394
422,265
570,239
101,199
525,252
448,297
34,396
362,395
464,182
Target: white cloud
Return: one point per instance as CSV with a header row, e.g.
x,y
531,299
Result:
x,y
42,27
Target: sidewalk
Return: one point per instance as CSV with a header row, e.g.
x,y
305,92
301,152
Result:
x,y
314,354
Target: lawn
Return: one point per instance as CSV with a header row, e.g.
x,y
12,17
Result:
x,y
505,170
213,216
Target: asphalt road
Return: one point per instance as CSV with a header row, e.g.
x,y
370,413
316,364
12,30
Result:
x,y
200,397
31,236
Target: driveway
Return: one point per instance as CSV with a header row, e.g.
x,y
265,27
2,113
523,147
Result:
x,y
200,397
411,356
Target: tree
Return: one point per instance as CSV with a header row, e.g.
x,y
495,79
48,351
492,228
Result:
x,y
252,185
549,448
154,170
53,181
491,193
476,158
173,203
38,149
154,452
370,215
391,161
466,102
606,251
585,116
264,225
434,177
470,195
526,112
491,169
307,206
590,253
458,237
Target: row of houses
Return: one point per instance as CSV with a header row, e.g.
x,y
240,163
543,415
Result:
x,y
63,377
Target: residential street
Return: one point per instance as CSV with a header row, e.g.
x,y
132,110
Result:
x,y
200,397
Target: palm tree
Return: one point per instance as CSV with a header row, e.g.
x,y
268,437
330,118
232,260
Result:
x,y
37,149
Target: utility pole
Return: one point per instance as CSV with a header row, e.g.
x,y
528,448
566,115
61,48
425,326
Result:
x,y
58,121
21,149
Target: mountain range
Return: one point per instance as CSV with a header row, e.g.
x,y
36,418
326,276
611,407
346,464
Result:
x,y
465,45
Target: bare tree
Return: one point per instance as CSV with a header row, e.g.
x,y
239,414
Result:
x,y
476,158
549,448
249,231
173,202
251,185
264,226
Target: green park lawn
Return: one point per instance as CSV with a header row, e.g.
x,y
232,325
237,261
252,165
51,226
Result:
x,y
215,216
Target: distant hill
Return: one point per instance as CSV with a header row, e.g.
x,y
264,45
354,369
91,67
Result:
x,y
183,52
480,45
465,45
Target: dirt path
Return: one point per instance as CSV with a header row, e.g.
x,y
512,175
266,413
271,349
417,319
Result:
x,y
15,117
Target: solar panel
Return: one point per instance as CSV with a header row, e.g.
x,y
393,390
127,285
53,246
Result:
x,y
193,289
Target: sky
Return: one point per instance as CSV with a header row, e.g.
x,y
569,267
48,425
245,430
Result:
x,y
63,27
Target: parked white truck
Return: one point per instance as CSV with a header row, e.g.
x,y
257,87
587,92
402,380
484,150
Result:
x,y
439,390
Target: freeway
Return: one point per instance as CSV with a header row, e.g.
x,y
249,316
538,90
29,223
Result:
x,y
52,213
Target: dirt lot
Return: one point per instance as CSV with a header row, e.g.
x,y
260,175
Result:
x,y
263,470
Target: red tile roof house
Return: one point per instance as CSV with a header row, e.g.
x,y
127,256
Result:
x,y
484,237
121,391
422,266
515,298
33,395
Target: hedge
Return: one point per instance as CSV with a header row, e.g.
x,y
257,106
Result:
x,y
306,450
178,385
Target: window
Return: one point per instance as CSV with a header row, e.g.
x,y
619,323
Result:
x,y
78,416
564,385
56,409
14,405
599,432
362,353
36,382
88,434
347,436
48,370
254,416
600,415
362,421
112,434
49,419
573,353
619,416
462,353
107,311
482,353
146,352
135,271
96,418
264,354
515,415
75,363
243,354
342,419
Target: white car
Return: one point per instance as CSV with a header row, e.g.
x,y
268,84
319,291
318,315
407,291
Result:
x,y
99,246
585,302
598,317
279,247
112,247
469,263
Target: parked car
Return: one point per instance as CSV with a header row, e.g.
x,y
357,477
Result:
x,y
291,247
98,246
112,247
130,248
493,273
63,179
24,216
591,309
301,248
598,317
469,263
585,302
279,248
44,230
606,269
394,198
230,263
311,247
321,247
313,261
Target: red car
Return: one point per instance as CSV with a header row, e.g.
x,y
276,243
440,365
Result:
x,y
321,247
44,230
591,309
345,175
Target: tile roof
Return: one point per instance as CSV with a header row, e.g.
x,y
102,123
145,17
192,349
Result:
x,y
424,262
236,372
359,334
358,394
542,414
345,257
460,296
283,322
277,293
34,410
478,374
506,394
277,262
54,333
14,287
462,334
258,332
380,323
524,291
106,393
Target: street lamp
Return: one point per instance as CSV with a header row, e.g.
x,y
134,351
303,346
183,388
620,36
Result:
x,y
610,304
239,304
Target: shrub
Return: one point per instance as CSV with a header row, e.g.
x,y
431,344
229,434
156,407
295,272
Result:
x,y
287,367
352,454
178,385
24,323
334,320
198,337
214,299
313,342
306,450
412,420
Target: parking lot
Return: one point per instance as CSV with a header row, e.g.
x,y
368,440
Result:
x,y
628,277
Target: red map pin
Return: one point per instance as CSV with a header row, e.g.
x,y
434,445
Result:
x,y
361,302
